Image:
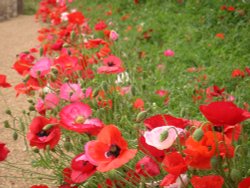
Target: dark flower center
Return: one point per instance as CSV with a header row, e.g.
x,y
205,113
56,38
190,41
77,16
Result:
x,y
111,64
42,133
114,150
218,128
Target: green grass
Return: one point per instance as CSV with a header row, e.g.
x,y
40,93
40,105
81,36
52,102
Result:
x,y
189,29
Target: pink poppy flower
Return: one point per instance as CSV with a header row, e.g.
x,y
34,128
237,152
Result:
x,y
76,117
111,65
113,35
71,92
162,137
147,167
50,101
41,68
169,53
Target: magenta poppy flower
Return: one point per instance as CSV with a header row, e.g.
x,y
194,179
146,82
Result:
x,y
169,53
76,117
40,137
111,65
224,113
147,167
71,92
41,68
3,151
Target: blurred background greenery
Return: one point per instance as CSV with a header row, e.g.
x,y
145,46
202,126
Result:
x,y
30,6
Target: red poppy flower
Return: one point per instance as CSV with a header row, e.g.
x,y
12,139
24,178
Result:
x,y
81,169
223,7
100,26
230,9
164,119
168,180
207,181
3,151
174,163
147,167
31,85
110,150
39,186
67,64
139,104
247,69
3,82
238,73
40,137
24,63
111,65
245,183
224,113
136,1
76,18
67,186
199,153
220,36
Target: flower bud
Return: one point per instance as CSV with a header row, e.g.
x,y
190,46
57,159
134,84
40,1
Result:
x,y
164,135
67,146
6,124
105,86
54,70
72,35
48,126
15,136
133,90
41,51
35,149
141,116
8,112
198,134
32,108
26,78
95,92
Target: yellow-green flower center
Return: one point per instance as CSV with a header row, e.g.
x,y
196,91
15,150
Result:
x,y
80,119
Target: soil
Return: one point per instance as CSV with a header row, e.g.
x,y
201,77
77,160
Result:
x,y
16,35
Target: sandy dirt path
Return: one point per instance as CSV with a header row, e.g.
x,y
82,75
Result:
x,y
16,35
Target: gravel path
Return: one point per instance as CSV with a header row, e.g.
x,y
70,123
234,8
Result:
x,y
16,35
